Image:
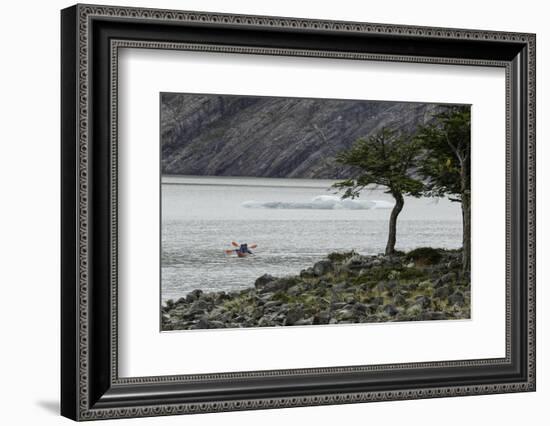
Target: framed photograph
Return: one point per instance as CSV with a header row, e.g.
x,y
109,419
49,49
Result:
x,y
263,212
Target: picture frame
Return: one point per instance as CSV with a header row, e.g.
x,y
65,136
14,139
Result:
x,y
91,37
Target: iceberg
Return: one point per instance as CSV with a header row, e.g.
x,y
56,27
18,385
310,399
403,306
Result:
x,y
321,202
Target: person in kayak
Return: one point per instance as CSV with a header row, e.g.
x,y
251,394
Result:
x,y
243,250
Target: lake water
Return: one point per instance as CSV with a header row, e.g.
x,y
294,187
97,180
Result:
x,y
294,222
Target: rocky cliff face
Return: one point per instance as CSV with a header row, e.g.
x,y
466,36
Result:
x,y
220,135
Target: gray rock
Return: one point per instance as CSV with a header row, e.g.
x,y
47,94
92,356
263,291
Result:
x,y
266,322
272,304
391,285
338,305
295,290
377,301
423,301
323,267
399,299
322,317
193,296
447,278
441,292
294,314
257,313
279,284
266,297
344,314
391,310
433,316
307,273
357,262
360,308
457,298
203,323
259,301
197,308
305,321
413,286
220,297
339,288
262,281
350,300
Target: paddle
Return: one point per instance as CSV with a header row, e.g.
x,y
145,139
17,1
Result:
x,y
253,246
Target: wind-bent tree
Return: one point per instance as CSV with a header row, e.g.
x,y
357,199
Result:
x,y
446,164
386,159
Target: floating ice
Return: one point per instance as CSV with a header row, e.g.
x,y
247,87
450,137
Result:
x,y
321,202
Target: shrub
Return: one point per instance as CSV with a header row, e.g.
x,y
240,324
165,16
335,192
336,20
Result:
x,y
424,256
340,257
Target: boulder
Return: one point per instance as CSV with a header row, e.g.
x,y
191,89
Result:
x,y
377,300
448,277
266,322
391,310
337,305
360,308
322,317
262,281
441,292
356,263
272,286
295,290
322,267
457,298
307,273
304,321
344,315
423,301
272,303
293,315
434,316
399,299
193,296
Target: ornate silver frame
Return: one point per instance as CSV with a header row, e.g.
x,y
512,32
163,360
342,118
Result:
x,y
91,388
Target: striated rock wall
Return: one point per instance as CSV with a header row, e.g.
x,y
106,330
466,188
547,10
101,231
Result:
x,y
222,135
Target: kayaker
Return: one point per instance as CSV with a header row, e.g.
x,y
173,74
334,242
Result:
x,y
243,249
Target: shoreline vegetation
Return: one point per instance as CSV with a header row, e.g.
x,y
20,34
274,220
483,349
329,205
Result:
x,y
344,288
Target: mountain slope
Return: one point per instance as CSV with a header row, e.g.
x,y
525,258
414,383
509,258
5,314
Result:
x,y
221,135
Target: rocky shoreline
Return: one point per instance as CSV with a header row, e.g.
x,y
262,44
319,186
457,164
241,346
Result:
x,y
344,288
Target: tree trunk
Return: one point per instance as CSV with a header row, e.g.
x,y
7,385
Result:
x,y
466,205
399,202
466,232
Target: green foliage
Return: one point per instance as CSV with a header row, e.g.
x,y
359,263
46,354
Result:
x,y
424,255
340,257
386,159
446,162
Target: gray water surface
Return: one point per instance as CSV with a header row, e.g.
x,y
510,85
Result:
x,y
294,222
